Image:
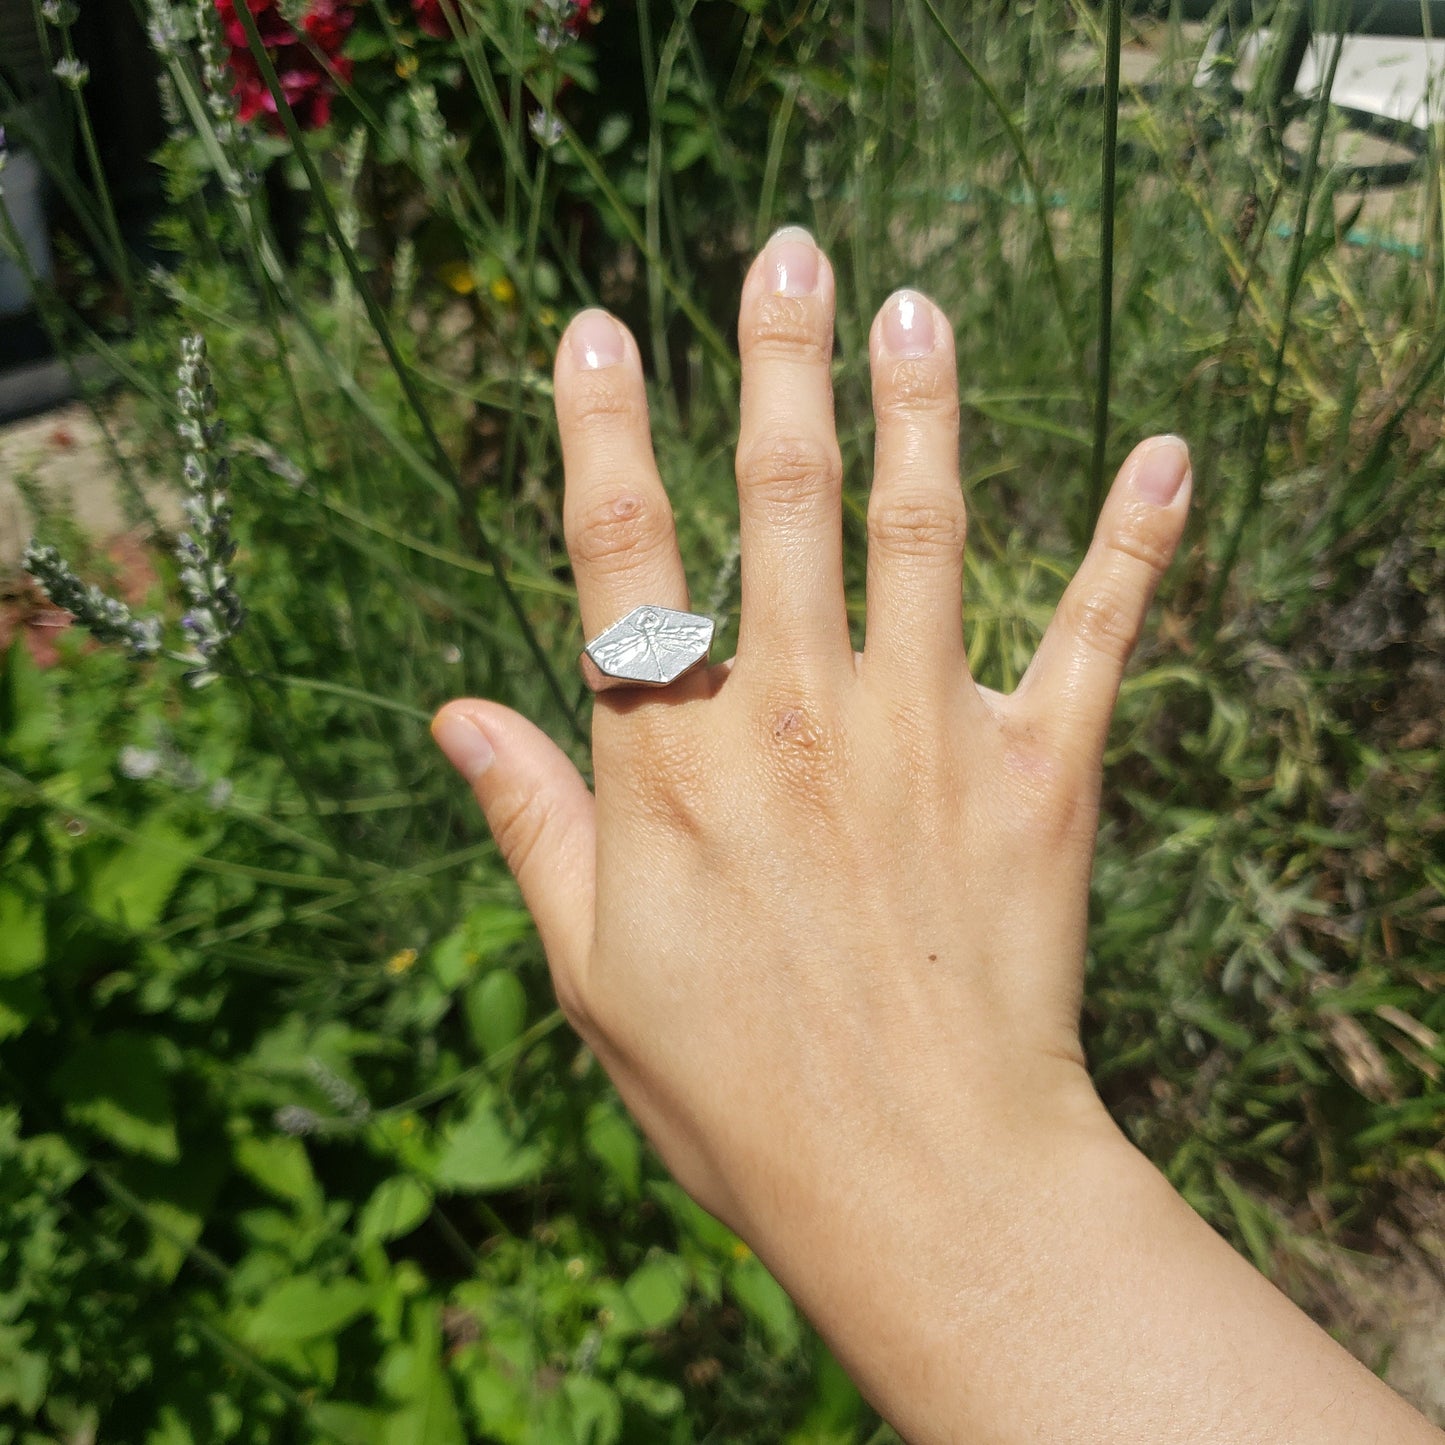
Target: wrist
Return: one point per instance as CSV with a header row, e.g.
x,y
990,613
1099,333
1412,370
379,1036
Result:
x,y
917,1262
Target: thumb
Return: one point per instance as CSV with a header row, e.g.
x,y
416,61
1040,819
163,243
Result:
x,y
542,815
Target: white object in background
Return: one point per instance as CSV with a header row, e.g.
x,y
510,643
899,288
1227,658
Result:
x,y
21,193
1395,77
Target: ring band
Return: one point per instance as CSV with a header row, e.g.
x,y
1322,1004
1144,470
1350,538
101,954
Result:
x,y
650,647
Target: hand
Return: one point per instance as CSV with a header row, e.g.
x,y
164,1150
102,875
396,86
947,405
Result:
x,y
821,896
824,921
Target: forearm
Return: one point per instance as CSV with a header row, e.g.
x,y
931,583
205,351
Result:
x,y
1072,1296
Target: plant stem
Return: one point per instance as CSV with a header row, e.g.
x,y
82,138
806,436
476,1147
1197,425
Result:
x,y
1106,261
340,689
102,190
1031,180
1259,460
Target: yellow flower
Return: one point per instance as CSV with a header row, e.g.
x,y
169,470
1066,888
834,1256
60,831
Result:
x,y
458,276
741,1251
503,291
400,962
546,316
406,67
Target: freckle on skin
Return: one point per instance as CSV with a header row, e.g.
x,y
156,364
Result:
x,y
933,958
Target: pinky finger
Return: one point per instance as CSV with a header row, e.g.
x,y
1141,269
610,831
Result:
x,y
1074,678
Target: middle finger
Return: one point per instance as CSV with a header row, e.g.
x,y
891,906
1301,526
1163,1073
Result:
x,y
789,469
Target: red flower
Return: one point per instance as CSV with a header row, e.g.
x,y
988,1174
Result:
x,y
307,65
431,18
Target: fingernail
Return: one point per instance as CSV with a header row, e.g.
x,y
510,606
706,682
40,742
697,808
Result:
x,y
464,743
908,325
793,255
1162,470
596,340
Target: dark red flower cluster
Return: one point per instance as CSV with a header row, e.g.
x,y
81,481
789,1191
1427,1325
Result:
x,y
307,64
431,18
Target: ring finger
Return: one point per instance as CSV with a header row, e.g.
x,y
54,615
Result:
x,y
615,512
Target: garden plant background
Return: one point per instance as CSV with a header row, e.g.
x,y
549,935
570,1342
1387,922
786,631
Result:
x,y
293,1142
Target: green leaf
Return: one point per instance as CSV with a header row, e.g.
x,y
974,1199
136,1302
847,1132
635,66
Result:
x,y
611,133
764,1300
353,1424
689,148
416,1374
116,1086
306,1308
478,1154
837,1406
659,1398
496,1009
364,44
396,1208
23,1376
690,1217
280,1165
1208,1018
29,713
613,1142
485,932
21,1002
593,1411
133,884
1254,1223
22,933
177,1199
656,1293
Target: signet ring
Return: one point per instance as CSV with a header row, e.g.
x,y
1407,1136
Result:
x,y
650,647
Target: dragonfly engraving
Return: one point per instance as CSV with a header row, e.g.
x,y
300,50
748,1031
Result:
x,y
652,645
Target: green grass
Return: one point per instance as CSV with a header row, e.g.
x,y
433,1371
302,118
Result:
x,y
347,1175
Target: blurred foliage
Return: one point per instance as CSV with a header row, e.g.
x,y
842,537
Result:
x,y
294,1144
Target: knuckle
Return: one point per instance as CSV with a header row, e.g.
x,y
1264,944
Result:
x,y
617,532
917,387
1142,545
661,771
1105,622
676,792
917,526
802,749
790,327
678,800
783,471
916,727
1046,800
595,402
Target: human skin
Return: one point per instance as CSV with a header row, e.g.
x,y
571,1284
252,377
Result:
x,y
823,921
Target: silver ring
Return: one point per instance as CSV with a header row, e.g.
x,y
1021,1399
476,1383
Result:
x,y
650,647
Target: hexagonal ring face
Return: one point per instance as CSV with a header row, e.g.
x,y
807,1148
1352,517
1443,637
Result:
x,y
650,647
